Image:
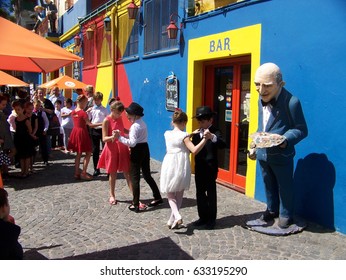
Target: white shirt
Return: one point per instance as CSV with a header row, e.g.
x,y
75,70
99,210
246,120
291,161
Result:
x,y
11,121
46,121
138,134
266,115
54,98
97,114
58,114
67,121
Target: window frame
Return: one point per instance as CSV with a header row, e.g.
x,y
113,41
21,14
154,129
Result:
x,y
156,19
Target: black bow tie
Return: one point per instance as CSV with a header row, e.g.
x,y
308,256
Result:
x,y
271,102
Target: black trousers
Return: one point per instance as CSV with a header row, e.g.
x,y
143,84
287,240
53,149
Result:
x,y
140,160
42,142
96,139
57,140
205,178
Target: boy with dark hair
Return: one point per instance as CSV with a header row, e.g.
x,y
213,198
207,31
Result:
x,y
10,249
206,167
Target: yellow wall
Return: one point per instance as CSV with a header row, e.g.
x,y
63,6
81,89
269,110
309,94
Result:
x,y
104,83
232,43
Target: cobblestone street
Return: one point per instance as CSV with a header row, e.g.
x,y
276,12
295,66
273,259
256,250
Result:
x,y
66,219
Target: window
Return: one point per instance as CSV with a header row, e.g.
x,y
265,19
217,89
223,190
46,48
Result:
x,y
127,37
156,19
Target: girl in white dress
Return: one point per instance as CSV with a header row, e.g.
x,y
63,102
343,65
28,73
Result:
x,y
175,169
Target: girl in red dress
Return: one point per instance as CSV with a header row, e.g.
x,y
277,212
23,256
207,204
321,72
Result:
x,y
80,141
115,156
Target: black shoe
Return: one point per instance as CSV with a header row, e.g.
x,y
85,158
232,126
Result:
x,y
210,225
284,222
134,208
199,223
268,216
96,172
155,202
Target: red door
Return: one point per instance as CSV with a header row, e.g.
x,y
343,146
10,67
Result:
x,y
227,91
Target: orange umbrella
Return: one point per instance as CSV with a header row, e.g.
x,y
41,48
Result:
x,y
24,50
8,80
64,82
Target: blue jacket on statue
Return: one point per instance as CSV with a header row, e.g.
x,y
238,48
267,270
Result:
x,y
286,119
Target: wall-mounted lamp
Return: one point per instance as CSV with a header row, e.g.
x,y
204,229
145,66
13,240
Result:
x,y
172,29
90,31
107,24
77,40
132,10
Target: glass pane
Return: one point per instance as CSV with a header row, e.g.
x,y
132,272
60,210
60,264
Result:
x,y
243,119
223,107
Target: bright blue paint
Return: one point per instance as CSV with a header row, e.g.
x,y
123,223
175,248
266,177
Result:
x,y
305,38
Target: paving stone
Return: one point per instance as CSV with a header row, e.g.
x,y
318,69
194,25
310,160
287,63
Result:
x,y
66,219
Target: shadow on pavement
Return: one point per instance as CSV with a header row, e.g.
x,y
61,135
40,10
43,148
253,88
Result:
x,y
34,254
161,249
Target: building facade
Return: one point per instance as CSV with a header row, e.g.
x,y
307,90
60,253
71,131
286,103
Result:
x,y
212,62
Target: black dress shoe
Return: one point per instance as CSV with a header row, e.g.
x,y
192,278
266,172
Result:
x,y
96,172
155,202
210,225
134,208
199,223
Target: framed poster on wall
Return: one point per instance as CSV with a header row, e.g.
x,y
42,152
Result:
x,y
172,92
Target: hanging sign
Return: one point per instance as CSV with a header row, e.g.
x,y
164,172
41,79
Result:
x,y
76,70
172,92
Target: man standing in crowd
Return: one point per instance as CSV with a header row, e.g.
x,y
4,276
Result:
x,y
56,95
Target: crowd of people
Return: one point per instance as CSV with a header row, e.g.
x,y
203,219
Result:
x,y
86,128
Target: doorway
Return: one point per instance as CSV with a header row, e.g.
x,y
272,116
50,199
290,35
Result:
x,y
227,92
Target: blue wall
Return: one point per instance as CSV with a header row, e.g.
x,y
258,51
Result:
x,y
306,39
70,18
148,89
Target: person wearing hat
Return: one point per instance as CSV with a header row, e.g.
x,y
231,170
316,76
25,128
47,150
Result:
x,y
206,167
140,156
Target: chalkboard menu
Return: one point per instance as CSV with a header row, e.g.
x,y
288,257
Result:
x,y
172,93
